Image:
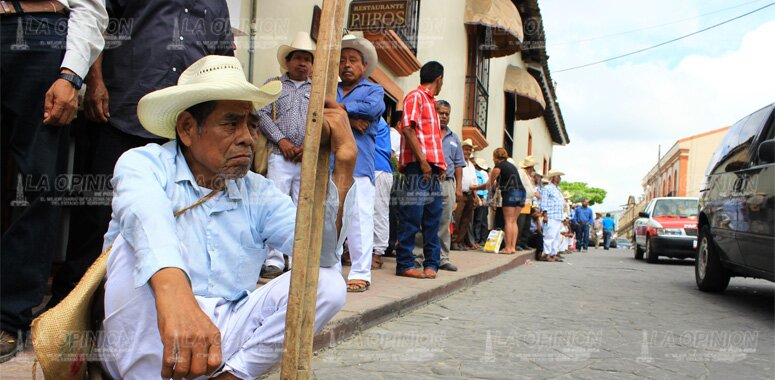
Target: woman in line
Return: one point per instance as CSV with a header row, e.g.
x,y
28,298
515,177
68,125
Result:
x,y
506,177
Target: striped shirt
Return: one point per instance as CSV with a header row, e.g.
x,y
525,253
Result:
x,y
552,201
420,111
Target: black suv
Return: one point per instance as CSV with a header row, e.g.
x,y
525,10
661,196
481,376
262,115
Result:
x,y
737,206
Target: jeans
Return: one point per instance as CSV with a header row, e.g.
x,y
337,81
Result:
x,y
419,210
582,236
33,153
607,238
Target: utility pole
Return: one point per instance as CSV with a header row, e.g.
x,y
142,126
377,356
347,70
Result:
x,y
659,175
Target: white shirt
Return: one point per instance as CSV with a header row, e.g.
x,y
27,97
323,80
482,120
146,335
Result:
x,y
85,25
469,176
395,141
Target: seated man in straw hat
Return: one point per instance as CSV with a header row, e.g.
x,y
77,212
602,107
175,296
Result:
x,y
181,297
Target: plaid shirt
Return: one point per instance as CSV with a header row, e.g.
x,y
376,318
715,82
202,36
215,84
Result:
x,y
552,201
290,112
420,109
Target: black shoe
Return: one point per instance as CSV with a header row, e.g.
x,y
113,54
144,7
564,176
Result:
x,y
448,266
271,271
9,346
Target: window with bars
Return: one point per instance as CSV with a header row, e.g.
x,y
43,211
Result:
x,y
409,33
477,78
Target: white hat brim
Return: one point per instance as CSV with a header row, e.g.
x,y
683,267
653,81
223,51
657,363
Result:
x,y
158,111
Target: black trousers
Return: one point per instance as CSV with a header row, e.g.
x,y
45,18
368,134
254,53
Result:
x,y
33,160
536,240
523,222
480,225
98,147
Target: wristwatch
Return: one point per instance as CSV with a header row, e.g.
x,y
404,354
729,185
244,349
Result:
x,y
74,79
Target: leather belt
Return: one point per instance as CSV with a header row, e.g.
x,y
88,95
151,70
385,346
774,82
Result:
x,y
9,8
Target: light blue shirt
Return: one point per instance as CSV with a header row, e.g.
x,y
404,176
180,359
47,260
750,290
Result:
x,y
220,244
365,101
382,149
608,224
453,152
552,201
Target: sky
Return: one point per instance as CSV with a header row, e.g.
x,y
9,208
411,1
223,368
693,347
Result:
x,y
618,113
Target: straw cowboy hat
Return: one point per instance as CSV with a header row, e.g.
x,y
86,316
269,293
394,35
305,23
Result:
x,y
212,77
566,194
301,42
366,48
527,162
469,142
480,162
554,173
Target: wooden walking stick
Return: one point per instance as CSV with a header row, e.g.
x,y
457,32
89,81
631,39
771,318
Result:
x,y
300,318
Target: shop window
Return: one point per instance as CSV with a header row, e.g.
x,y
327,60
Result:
x,y
477,78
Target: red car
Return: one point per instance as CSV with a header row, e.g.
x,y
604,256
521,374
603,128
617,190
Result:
x,y
667,227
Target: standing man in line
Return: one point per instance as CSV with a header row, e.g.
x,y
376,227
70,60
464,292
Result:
x,y
422,162
284,124
552,201
47,48
364,103
450,186
464,211
138,59
526,169
383,183
480,212
585,218
608,230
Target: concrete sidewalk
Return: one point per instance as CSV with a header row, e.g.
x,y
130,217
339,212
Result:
x,y
388,297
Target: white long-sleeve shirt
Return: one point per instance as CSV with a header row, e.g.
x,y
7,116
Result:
x,y
87,21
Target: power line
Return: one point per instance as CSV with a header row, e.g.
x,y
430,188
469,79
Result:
x,y
664,43
653,26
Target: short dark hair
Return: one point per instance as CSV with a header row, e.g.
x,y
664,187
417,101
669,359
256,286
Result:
x,y
430,71
200,112
608,214
444,103
290,55
396,117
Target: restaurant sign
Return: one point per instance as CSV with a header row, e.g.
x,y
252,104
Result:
x,y
377,15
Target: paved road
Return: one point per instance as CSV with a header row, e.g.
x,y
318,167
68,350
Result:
x,y
598,315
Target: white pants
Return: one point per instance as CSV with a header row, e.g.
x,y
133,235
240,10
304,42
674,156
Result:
x,y
552,237
252,330
360,236
286,176
383,184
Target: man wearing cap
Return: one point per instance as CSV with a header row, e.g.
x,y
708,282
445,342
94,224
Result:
x,y
526,169
364,103
180,293
422,162
284,123
47,48
552,201
464,211
450,185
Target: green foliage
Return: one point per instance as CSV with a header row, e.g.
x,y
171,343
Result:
x,y
580,191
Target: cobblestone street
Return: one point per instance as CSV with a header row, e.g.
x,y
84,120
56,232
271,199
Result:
x,y
598,315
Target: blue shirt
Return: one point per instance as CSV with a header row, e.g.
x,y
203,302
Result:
x,y
608,224
584,215
552,201
481,179
383,148
220,244
364,101
453,152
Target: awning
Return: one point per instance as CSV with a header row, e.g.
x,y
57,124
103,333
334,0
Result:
x,y
530,98
501,21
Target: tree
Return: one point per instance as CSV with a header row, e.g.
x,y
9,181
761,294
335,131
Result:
x,y
580,191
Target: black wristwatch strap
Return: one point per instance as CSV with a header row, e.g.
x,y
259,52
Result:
x,y
76,81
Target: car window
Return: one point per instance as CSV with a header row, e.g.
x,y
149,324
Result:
x,y
679,208
734,150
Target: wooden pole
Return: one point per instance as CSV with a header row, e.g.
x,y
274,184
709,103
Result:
x,y
302,298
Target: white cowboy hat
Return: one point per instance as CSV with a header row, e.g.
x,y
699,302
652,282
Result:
x,y
366,48
554,173
469,142
527,162
213,77
302,42
480,162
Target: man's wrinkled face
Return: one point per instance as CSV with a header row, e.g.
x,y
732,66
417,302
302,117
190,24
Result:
x,y
225,147
299,65
351,66
443,112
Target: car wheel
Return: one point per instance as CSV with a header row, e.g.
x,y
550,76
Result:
x,y
638,252
708,272
651,256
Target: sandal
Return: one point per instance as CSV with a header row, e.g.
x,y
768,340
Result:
x,y
357,286
376,261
